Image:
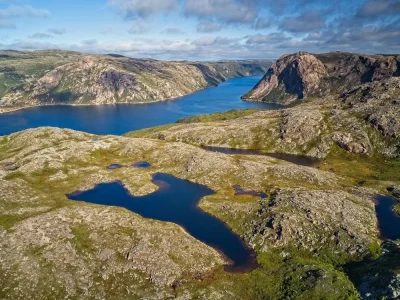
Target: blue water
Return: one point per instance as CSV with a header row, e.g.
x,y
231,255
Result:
x,y
176,201
141,165
121,118
388,220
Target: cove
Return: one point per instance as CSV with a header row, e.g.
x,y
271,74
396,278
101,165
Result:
x,y
295,159
120,118
388,220
176,201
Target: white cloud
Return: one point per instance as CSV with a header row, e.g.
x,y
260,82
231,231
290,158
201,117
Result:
x,y
58,31
139,27
91,42
40,35
172,30
229,11
144,8
23,11
208,27
7,24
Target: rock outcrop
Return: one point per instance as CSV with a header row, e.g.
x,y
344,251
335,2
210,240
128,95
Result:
x,y
303,75
292,77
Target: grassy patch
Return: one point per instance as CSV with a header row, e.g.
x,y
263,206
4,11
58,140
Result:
x,y
82,239
396,209
361,168
147,131
219,116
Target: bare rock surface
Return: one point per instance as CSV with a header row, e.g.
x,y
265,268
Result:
x,y
303,75
291,77
84,247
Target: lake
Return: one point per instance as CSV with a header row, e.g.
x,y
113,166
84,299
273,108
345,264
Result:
x,y
176,201
121,118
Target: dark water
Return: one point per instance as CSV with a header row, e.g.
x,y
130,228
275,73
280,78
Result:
x,y
388,220
296,159
141,165
121,118
114,166
176,201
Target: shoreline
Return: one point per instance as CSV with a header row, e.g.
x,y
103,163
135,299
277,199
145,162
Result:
x,y
10,109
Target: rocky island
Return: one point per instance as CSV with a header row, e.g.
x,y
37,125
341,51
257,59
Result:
x,y
314,229
63,77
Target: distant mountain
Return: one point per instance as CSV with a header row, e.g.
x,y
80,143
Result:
x,y
64,77
303,75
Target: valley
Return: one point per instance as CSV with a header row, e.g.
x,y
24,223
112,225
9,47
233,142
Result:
x,y
305,189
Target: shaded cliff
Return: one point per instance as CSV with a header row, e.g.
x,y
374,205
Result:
x,y
303,75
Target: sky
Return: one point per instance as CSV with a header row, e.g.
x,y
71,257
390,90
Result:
x,y
201,29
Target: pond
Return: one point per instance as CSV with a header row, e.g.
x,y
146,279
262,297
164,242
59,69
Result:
x,y
176,201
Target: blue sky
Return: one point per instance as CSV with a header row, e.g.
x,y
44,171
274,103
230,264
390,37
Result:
x,y
201,29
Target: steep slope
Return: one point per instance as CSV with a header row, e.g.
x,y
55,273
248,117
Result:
x,y
103,79
303,75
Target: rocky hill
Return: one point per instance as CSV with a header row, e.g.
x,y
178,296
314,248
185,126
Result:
x,y
60,77
52,247
304,75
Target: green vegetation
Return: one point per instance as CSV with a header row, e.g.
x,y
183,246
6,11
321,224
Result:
x,y
277,96
368,170
283,275
229,115
18,68
147,131
396,209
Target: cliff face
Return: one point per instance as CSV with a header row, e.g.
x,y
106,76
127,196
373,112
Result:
x,y
303,75
101,79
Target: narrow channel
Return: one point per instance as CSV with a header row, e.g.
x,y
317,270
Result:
x,y
176,201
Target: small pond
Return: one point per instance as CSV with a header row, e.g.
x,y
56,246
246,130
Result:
x,y
141,165
176,201
114,166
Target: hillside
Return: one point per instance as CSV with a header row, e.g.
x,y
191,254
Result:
x,y
303,75
53,247
61,77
